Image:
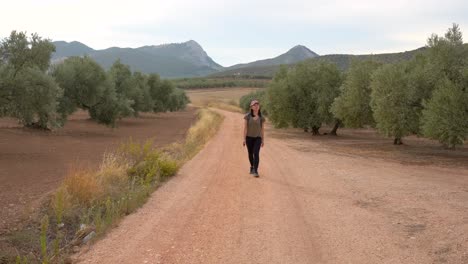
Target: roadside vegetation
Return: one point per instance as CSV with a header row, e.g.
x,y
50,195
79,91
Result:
x,y
91,201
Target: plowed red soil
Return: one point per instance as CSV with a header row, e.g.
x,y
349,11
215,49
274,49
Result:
x,y
34,162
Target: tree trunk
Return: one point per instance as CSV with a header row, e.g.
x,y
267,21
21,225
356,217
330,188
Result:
x,y
335,128
37,125
397,141
315,131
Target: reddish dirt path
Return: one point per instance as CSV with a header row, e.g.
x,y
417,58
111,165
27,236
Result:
x,y
34,162
304,208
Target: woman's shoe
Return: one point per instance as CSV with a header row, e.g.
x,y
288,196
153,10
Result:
x,y
252,170
255,174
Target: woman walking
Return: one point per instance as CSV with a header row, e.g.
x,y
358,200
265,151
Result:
x,y
253,135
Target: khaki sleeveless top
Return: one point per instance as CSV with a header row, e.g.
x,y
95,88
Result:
x,y
254,127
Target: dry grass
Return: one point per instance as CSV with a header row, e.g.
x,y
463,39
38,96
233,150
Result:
x,y
231,107
124,180
201,132
207,125
83,187
112,174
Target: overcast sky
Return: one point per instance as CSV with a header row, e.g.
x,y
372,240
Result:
x,y
239,31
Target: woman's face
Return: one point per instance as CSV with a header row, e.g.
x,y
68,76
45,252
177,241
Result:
x,y
255,107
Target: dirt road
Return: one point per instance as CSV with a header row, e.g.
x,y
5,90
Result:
x,y
306,207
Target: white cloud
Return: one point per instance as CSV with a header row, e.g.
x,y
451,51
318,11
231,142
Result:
x,y
228,29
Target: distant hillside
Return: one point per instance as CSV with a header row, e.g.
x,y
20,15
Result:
x,y
186,59
296,54
189,51
341,60
68,49
166,66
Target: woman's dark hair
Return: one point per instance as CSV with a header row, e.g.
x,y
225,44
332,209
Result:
x,y
259,113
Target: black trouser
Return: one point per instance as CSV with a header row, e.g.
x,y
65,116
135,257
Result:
x,y
253,146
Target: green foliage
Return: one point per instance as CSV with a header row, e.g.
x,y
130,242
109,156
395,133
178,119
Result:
x,y
445,116
23,260
43,239
160,91
393,102
26,91
35,98
59,205
352,106
399,92
20,53
87,86
125,88
5,91
302,96
422,77
165,96
301,80
83,82
122,78
448,56
177,100
110,107
326,89
147,170
279,100
167,167
142,100
109,97
118,94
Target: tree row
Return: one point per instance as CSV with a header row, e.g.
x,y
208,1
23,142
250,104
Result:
x,y
426,96
42,95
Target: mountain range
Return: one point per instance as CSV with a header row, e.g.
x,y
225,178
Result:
x,y
169,60
343,61
189,59
294,55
